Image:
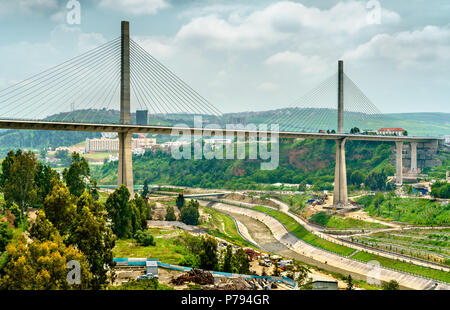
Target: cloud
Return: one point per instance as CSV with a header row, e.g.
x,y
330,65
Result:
x,y
27,6
135,7
73,38
159,47
429,46
276,23
308,64
269,86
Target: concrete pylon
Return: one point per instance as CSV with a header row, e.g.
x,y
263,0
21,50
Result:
x,y
125,173
340,196
413,157
399,162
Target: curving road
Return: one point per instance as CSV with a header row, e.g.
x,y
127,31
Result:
x,y
331,260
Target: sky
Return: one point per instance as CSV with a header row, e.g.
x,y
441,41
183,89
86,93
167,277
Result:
x,y
251,55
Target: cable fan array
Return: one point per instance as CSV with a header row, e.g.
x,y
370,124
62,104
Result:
x,y
317,109
86,89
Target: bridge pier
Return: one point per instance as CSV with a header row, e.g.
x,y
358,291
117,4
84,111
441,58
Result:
x,y
340,196
125,173
414,157
399,163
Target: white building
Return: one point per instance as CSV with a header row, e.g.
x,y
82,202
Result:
x,y
112,145
391,131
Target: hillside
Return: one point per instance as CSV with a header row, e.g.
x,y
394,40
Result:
x,y
307,161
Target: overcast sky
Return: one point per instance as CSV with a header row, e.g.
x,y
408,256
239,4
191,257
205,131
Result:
x,y
252,55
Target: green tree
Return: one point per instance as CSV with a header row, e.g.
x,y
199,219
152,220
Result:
x,y
120,212
144,238
6,235
170,214
92,236
42,229
208,254
45,179
140,211
189,213
60,208
227,260
77,176
391,285
145,189
18,172
180,201
349,281
42,265
241,264
357,177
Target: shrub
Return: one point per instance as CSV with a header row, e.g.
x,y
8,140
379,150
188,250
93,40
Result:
x,y
144,238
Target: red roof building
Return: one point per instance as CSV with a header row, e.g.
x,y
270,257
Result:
x,y
391,131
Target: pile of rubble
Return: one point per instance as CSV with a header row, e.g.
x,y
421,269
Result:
x,y
242,284
196,276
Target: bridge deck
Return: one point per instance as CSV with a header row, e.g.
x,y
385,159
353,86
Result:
x,y
64,126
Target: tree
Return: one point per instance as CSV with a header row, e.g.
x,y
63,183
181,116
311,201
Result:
x,y
145,189
376,180
349,281
354,130
91,235
19,170
241,264
144,238
170,214
120,212
60,208
208,254
45,179
42,265
391,286
180,201
189,213
77,176
227,260
140,211
357,177
6,235
42,229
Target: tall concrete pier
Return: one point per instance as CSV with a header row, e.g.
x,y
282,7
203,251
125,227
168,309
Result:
x,y
125,173
399,163
340,196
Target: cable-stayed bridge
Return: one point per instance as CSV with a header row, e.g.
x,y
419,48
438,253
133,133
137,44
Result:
x,y
85,93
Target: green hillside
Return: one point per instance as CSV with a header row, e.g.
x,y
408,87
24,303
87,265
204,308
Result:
x,y
307,161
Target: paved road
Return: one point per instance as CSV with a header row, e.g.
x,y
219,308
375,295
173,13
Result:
x,y
285,209
332,260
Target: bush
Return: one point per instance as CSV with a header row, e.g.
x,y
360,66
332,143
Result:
x,y
144,238
6,234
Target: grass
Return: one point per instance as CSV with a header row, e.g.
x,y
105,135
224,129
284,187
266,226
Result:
x,y
340,222
261,209
167,249
300,232
404,266
227,231
417,211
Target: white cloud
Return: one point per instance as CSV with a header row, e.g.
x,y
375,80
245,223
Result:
x,y
269,86
159,47
428,46
27,6
135,7
276,23
308,64
68,37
